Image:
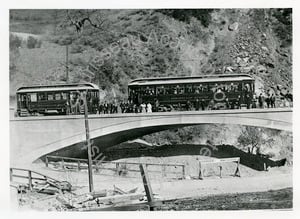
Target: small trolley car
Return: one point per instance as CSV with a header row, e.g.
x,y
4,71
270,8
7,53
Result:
x,y
206,92
57,99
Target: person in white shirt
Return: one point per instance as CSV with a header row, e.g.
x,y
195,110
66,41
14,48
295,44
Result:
x,y
149,108
143,106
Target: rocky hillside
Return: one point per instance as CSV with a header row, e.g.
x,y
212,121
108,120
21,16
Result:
x,y
112,47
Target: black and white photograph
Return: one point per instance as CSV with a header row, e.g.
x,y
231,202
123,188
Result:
x,y
150,109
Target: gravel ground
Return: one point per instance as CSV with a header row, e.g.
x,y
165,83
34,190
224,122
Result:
x,y
210,193
273,199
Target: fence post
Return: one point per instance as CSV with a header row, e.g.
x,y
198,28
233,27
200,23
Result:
x,y
62,163
96,167
117,168
11,174
47,162
78,165
30,180
183,171
265,167
163,169
201,175
237,171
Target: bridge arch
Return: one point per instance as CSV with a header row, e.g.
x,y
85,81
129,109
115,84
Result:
x,y
111,134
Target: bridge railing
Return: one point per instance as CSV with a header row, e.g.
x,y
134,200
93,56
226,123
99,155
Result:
x,y
118,167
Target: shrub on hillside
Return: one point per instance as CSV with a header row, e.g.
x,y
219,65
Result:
x,y
14,42
33,43
76,49
185,15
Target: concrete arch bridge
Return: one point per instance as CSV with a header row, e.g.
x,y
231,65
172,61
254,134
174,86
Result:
x,y
33,137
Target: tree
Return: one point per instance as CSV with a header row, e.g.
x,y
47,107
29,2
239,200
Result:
x,y
251,136
80,18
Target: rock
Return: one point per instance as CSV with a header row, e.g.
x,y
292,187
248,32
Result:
x,y
247,69
246,54
265,48
279,86
261,69
233,27
188,177
271,65
246,59
228,69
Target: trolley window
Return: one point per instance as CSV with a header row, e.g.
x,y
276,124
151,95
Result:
x,y
189,88
160,90
57,96
33,97
50,97
41,96
64,96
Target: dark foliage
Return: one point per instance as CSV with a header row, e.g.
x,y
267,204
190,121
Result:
x,y
283,26
33,43
185,15
14,42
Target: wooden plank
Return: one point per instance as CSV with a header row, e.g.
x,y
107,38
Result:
x,y
20,176
120,198
113,162
233,159
224,160
147,185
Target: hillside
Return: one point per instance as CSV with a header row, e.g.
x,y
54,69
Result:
x,y
144,43
112,47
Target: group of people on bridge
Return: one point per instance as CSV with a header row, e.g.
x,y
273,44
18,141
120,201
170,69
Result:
x,y
76,106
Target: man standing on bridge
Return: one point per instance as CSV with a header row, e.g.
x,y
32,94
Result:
x,y
261,100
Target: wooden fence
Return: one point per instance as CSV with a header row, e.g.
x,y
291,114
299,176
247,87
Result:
x,y
30,176
219,162
115,166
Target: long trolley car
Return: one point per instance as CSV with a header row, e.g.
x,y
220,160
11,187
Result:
x,y
211,91
56,99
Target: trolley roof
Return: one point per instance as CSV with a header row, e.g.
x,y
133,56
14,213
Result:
x,y
191,80
58,87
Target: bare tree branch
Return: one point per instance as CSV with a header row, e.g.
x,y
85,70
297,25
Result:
x,y
80,18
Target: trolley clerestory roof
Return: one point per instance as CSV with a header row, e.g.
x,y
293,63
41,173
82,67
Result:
x,y
191,80
58,87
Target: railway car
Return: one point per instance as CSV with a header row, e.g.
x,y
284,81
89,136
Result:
x,y
207,91
56,99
